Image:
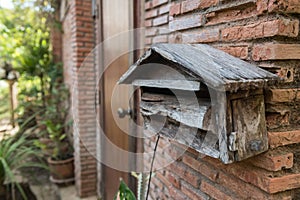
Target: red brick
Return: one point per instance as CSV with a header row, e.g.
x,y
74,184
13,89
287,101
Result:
x,y
277,120
164,9
177,194
83,29
192,178
281,95
200,167
249,191
186,174
242,32
273,160
87,13
84,19
78,12
193,193
290,6
190,5
156,3
148,5
230,15
163,179
161,20
262,6
175,181
187,6
175,155
83,49
151,13
148,40
160,160
186,22
203,36
214,192
157,183
235,185
208,3
282,27
286,74
160,39
89,35
90,45
236,168
263,179
163,30
148,23
284,183
175,9
271,51
86,4
236,51
277,139
175,38
259,178
150,31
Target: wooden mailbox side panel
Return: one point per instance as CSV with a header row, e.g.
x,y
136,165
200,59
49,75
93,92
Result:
x,y
248,118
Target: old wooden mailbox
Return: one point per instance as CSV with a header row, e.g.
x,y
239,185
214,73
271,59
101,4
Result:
x,y
204,98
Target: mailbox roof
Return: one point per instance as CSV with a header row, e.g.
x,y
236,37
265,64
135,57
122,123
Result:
x,y
204,63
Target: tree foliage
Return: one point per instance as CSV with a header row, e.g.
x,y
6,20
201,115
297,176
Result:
x,y
25,44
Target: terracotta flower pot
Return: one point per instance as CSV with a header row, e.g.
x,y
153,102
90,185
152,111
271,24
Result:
x,y
62,171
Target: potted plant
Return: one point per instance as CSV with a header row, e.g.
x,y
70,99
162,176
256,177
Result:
x,y
61,160
15,154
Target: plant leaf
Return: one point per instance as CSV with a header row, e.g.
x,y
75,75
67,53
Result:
x,y
124,193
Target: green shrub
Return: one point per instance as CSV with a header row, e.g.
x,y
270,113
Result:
x,y
15,154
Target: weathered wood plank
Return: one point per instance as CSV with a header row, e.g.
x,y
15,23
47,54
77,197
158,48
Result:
x,y
250,126
154,68
244,94
188,111
213,67
189,136
219,111
170,84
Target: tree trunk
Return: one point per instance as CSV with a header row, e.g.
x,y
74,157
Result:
x,y
43,89
11,99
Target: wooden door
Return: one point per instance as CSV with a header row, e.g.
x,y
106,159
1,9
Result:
x,y
116,20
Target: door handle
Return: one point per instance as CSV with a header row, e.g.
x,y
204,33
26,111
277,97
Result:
x,y
123,112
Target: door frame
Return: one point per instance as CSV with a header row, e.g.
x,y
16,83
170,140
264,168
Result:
x,y
135,144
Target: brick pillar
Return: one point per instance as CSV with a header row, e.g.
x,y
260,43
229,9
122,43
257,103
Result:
x,y
83,83
56,41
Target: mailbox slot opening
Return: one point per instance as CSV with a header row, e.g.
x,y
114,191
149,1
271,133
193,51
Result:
x,y
183,116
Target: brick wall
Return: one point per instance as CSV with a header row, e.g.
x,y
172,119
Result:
x,y
263,32
78,42
67,49
56,43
